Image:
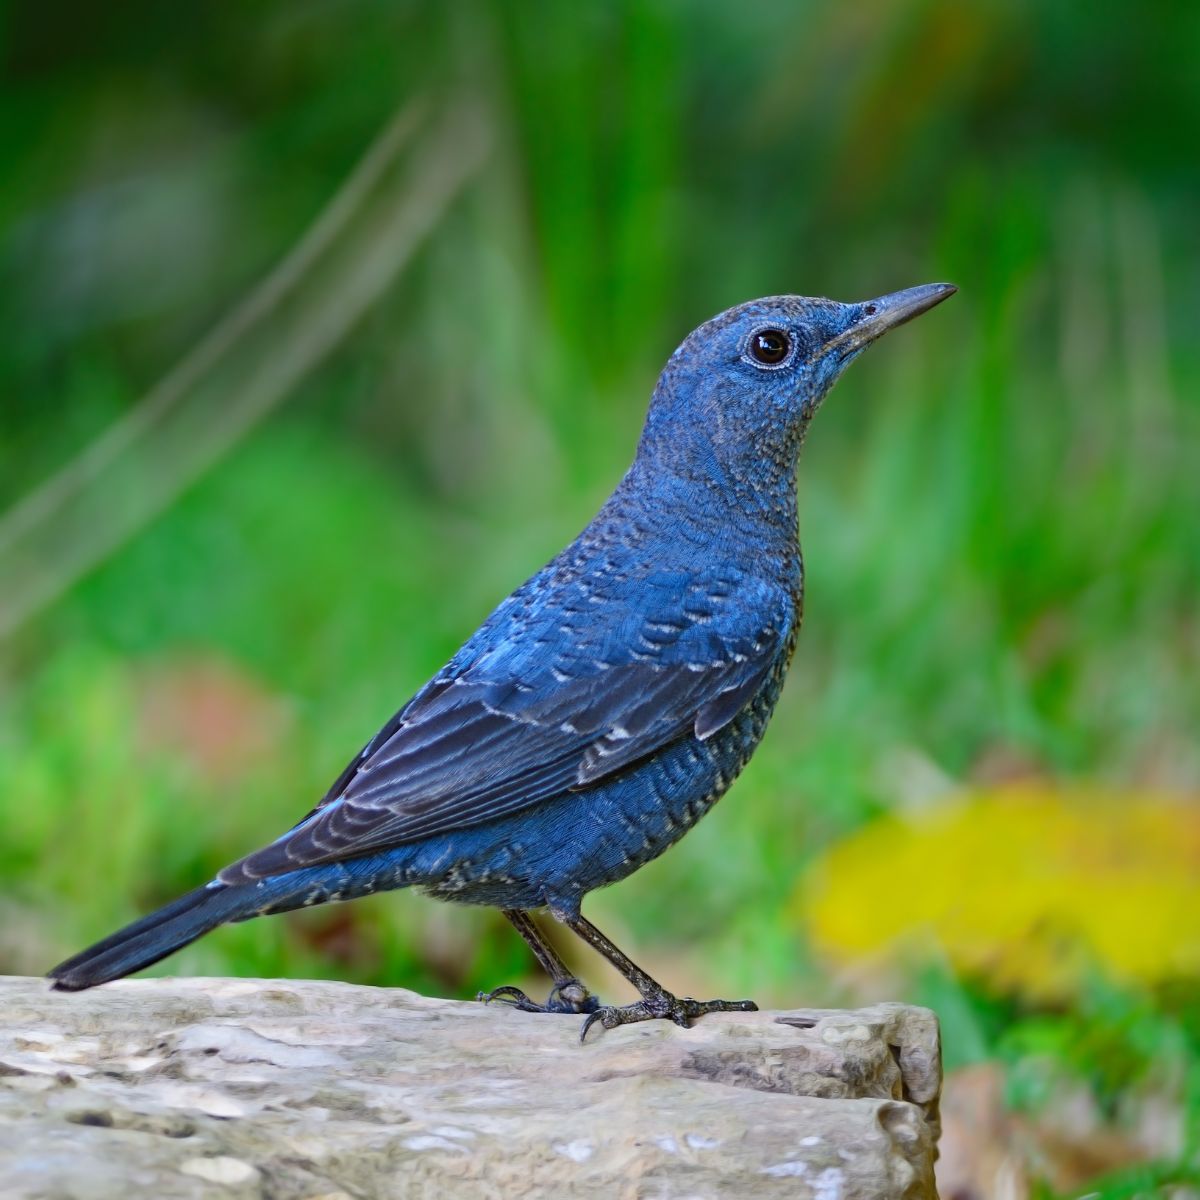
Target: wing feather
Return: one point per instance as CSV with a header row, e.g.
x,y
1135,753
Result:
x,y
499,736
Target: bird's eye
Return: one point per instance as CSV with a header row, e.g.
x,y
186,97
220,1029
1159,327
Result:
x,y
769,347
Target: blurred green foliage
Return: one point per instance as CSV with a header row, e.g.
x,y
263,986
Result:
x,y
999,506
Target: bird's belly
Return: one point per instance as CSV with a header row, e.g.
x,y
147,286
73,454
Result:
x,y
557,851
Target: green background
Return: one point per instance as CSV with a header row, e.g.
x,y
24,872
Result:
x,y
998,505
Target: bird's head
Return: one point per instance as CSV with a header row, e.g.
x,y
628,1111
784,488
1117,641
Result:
x,y
742,387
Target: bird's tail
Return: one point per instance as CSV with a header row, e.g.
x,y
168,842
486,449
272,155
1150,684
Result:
x,y
181,922
154,936
194,914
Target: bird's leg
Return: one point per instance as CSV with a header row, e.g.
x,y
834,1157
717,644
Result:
x,y
656,1002
567,996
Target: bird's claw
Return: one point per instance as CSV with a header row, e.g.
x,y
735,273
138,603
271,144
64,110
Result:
x,y
663,1006
570,997
507,995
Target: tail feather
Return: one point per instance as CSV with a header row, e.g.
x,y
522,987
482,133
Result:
x,y
155,936
194,914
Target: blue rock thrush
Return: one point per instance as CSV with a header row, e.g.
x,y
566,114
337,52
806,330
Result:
x,y
604,707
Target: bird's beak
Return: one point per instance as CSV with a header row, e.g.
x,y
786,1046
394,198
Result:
x,y
886,312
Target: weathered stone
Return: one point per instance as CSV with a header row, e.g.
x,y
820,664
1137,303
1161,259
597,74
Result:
x,y
281,1089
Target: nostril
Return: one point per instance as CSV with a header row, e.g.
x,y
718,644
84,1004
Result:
x,y
869,310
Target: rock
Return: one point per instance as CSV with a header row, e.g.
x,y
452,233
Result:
x,y
325,1091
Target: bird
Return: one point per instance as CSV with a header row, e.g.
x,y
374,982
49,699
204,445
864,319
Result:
x,y
605,705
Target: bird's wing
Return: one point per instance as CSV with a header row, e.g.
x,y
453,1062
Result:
x,y
532,716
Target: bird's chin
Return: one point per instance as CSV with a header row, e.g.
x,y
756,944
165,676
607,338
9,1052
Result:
x,y
809,408
846,356
831,369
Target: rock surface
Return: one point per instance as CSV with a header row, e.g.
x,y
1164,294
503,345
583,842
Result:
x,y
325,1091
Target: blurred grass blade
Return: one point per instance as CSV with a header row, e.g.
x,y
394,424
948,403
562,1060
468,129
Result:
x,y
249,363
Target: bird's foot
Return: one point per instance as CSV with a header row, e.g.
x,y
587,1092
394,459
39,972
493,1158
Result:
x,y
568,997
661,1006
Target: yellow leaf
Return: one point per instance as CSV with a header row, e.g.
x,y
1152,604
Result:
x,y
1027,886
